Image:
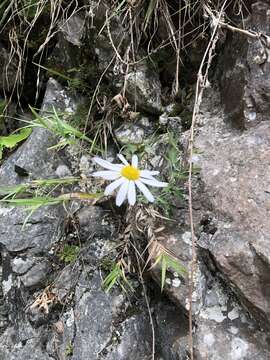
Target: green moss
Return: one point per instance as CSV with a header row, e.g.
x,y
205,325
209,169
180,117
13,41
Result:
x,y
69,253
107,263
69,349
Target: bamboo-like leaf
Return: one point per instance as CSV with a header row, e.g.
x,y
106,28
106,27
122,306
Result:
x,y
112,278
116,276
11,190
163,271
12,140
33,202
175,265
52,182
61,128
54,72
39,119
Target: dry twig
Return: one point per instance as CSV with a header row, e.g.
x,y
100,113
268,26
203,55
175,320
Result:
x,y
202,79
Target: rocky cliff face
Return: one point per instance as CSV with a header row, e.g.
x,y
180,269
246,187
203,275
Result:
x,y
55,308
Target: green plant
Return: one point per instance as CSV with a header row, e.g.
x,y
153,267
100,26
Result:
x,y
176,175
167,261
69,349
12,140
69,253
34,203
36,193
53,123
117,276
34,187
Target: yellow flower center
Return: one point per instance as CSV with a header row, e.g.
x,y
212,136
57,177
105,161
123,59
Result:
x,y
130,172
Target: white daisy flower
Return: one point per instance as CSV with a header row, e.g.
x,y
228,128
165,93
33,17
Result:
x,y
127,177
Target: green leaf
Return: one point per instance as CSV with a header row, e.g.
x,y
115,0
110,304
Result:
x,y
14,190
10,190
163,271
61,128
33,202
54,72
13,139
116,276
52,182
175,265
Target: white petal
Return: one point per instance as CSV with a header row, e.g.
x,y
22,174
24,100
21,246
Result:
x,y
122,193
107,175
114,185
148,174
121,157
154,182
107,164
131,193
134,161
145,191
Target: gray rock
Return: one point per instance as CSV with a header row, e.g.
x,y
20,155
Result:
x,y
105,44
134,341
245,80
3,307
222,328
66,281
134,133
93,324
21,266
37,234
171,331
63,171
73,29
29,269
93,221
22,341
163,119
173,123
67,53
225,331
94,327
58,98
236,183
37,275
144,90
